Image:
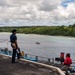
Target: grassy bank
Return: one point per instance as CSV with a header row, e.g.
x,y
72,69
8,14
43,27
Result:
x,y
43,30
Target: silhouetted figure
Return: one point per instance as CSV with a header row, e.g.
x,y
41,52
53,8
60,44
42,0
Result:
x,y
14,45
62,57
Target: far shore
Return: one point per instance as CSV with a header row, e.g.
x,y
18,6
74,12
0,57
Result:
x,y
36,34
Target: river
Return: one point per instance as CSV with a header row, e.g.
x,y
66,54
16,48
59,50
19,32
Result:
x,y
49,46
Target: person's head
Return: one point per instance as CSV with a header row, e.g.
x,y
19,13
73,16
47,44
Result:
x,y
68,55
14,31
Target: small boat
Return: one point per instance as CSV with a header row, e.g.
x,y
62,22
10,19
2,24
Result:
x,y
37,42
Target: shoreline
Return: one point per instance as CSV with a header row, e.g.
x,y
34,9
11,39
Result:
x,y
38,34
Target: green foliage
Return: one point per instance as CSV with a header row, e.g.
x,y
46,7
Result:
x,y
43,30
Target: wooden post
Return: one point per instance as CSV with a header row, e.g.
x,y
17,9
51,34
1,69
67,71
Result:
x,y
48,60
53,60
25,55
36,58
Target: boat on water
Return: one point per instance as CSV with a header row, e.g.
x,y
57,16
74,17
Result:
x,y
37,43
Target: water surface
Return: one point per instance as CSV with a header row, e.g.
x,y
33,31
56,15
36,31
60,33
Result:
x,y
50,46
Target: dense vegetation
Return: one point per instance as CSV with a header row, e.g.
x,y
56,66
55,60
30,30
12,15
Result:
x,y
44,30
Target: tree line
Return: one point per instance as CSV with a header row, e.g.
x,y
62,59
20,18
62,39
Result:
x,y
43,30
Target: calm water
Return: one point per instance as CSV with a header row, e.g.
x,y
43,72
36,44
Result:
x,y
50,46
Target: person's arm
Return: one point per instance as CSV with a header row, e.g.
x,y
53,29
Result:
x,y
16,43
71,61
65,61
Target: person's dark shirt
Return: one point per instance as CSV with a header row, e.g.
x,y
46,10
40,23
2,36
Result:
x,y
13,38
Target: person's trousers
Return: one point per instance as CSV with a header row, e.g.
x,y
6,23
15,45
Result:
x,y
14,55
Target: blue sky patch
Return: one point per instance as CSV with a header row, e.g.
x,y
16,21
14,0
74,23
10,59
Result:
x,y
65,3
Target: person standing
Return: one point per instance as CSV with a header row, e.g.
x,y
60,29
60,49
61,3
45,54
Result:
x,y
14,44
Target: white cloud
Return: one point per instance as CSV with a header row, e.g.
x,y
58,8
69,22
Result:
x,y
67,13
38,11
49,5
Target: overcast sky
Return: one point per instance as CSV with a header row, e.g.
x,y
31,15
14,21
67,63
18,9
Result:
x,y
37,12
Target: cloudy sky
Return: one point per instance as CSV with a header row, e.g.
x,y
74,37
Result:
x,y
37,12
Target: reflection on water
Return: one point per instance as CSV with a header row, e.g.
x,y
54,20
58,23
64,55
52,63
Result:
x,y
50,46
